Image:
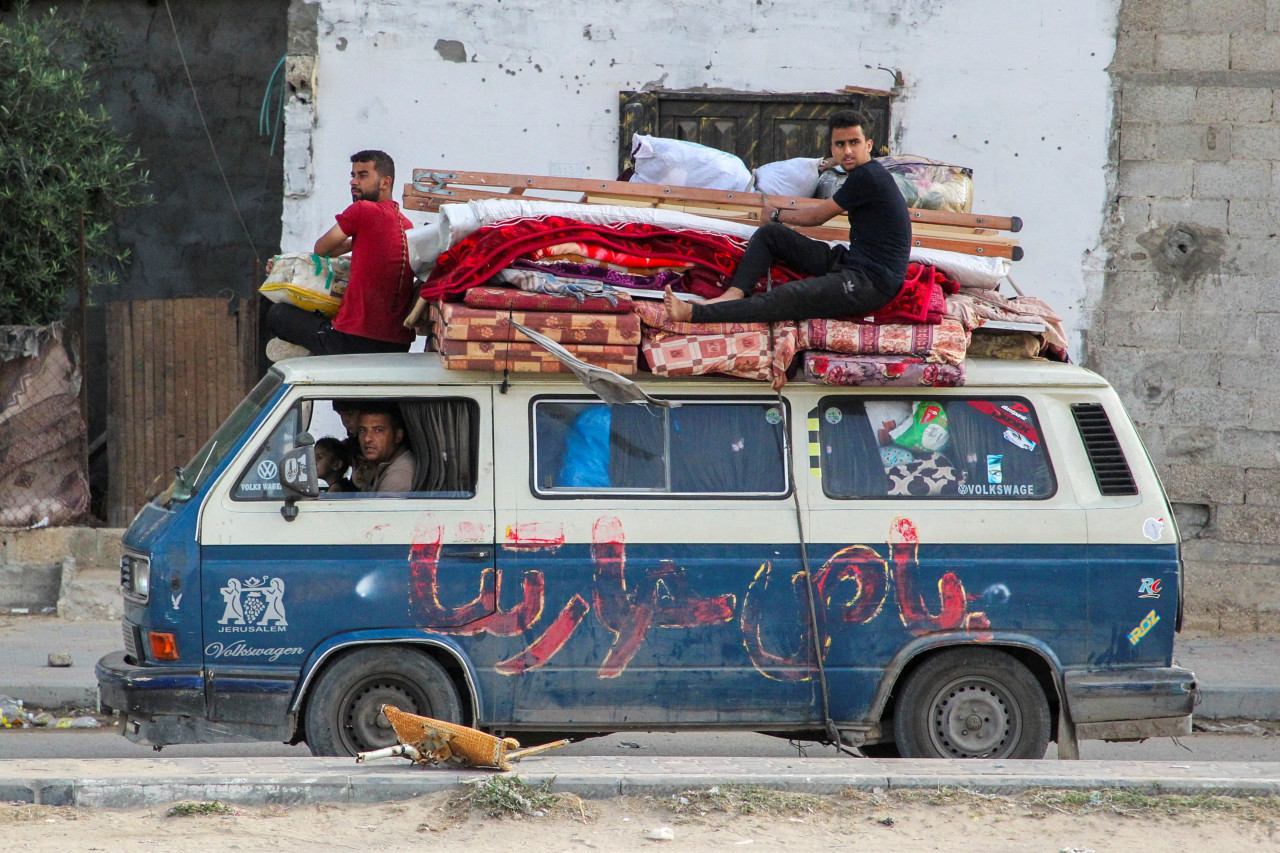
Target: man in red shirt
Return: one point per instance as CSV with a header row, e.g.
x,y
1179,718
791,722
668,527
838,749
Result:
x,y
380,291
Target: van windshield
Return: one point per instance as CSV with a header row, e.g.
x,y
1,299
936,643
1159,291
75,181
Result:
x,y
189,478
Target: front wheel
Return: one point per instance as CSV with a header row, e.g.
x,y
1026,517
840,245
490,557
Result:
x,y
972,703
344,712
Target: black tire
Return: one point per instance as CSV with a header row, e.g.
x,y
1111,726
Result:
x,y
971,703
343,713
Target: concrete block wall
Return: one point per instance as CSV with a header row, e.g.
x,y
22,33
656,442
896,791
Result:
x,y
73,570
1188,321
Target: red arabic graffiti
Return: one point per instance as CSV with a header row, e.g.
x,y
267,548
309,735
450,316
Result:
x,y
851,587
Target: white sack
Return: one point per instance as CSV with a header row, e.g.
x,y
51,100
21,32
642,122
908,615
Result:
x,y
686,164
797,176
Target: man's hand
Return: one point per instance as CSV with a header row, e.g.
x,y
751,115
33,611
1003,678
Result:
x,y
418,316
271,262
828,163
766,209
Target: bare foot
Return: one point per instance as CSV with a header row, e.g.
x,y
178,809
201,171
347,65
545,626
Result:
x,y
728,296
677,309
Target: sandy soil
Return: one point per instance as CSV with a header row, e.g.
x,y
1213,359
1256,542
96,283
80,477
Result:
x,y
921,821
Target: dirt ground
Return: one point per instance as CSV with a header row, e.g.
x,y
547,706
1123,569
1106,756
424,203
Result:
x,y
708,819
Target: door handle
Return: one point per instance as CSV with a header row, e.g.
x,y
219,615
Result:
x,y
473,554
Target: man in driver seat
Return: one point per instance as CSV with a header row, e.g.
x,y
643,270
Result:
x,y
381,435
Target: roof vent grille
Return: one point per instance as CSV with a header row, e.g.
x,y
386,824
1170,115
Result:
x,y
1105,456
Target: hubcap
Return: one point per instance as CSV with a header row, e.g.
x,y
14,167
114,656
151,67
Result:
x,y
974,718
364,728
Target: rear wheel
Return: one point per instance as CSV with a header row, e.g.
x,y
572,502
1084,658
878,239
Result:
x,y
972,703
344,712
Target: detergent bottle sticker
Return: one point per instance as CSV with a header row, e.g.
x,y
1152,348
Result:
x,y
1153,528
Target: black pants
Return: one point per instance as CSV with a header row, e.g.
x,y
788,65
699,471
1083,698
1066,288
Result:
x,y
832,291
310,329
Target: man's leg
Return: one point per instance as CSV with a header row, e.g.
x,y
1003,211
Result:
x,y
296,325
845,293
773,241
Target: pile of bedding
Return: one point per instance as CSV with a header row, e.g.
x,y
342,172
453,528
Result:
x,y
591,276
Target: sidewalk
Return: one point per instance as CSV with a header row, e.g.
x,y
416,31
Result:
x,y
131,783
1239,675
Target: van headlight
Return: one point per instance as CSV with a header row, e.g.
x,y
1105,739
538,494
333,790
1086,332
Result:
x,y
135,576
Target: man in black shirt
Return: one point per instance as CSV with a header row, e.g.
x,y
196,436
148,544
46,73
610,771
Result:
x,y
852,281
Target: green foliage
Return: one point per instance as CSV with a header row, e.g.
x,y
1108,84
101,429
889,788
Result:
x,y
58,157
206,809
500,796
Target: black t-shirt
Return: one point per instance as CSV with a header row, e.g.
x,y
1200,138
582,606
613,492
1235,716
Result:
x,y
879,225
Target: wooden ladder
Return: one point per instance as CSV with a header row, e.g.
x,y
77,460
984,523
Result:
x,y
969,233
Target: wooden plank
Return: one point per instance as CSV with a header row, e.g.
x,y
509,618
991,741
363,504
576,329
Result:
x,y
965,241
182,426
116,312
169,409
502,181
136,414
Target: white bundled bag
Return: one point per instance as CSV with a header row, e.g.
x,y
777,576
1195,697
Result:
x,y
686,164
796,177
311,282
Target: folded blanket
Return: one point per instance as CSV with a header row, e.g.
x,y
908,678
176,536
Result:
x,y
459,322
534,362
519,300
749,355
654,315
945,342
993,305
892,371
493,247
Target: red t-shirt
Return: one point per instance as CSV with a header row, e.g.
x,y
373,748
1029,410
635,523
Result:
x,y
380,292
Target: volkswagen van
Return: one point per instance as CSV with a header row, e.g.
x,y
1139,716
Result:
x,y
966,572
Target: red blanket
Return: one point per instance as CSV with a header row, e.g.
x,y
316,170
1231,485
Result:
x,y
473,260
921,299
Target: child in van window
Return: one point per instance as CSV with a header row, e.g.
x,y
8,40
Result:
x,y
332,462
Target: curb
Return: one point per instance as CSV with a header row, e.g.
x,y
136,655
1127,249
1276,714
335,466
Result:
x,y
136,783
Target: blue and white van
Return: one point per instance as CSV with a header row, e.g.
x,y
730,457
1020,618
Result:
x,y
933,572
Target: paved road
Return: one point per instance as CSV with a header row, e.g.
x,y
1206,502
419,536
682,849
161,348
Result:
x,y
1216,747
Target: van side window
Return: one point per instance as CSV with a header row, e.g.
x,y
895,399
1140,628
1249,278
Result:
x,y
940,447
702,447
422,447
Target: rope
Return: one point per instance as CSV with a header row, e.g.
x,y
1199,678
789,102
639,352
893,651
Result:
x,y
829,726
212,148
265,124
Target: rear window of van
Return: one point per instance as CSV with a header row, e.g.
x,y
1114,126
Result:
x,y
701,447
933,448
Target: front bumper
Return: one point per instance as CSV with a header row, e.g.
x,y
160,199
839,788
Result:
x,y
164,705
1131,704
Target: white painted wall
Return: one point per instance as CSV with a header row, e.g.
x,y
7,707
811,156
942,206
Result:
x,y
1016,90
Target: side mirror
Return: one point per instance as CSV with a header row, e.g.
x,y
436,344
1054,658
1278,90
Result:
x,y
298,475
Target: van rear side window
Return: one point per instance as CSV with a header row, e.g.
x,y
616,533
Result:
x,y
932,448
584,448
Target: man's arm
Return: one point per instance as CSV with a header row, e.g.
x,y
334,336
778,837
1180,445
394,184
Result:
x,y
819,214
333,243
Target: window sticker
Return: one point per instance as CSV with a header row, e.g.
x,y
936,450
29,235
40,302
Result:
x,y
994,472
1010,417
833,415
773,416
1019,440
